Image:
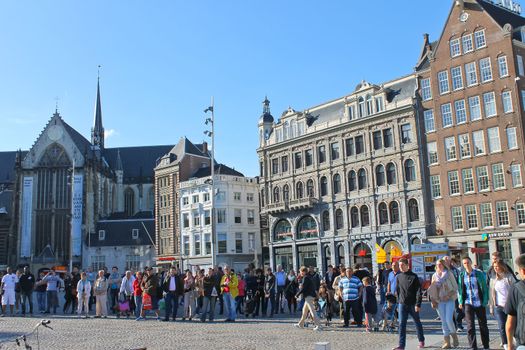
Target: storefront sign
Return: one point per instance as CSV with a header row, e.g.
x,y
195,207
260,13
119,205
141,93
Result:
x,y
479,250
500,234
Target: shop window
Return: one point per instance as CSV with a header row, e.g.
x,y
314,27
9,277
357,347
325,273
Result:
x,y
307,228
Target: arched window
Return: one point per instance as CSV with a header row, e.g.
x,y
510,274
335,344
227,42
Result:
x,y
369,105
326,220
410,170
299,190
361,177
383,213
129,202
324,186
339,219
276,195
337,183
151,198
354,217
391,177
307,228
380,175
286,193
310,188
282,231
340,254
106,198
365,216
352,182
394,212
114,199
413,210
361,106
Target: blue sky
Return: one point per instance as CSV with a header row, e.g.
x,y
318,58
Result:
x,y
163,60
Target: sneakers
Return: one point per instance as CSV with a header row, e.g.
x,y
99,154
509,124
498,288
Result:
x,y
140,318
317,328
398,348
297,325
421,345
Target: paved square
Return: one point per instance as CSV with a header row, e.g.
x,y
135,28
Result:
x,y
246,334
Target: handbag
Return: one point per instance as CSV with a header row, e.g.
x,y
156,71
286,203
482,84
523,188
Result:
x,y
146,302
123,306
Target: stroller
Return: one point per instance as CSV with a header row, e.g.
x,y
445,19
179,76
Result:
x,y
323,311
389,314
249,303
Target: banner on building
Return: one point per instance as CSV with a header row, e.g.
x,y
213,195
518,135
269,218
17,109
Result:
x,y
76,214
27,216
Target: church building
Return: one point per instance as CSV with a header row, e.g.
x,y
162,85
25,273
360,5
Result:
x,y
65,184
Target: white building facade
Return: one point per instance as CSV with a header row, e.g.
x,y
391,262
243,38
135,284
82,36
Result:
x,y
237,230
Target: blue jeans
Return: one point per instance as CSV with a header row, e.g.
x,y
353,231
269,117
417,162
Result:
x,y
382,295
404,311
501,316
138,305
52,301
41,300
446,314
171,301
229,301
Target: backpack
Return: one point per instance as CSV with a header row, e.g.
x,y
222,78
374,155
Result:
x,y
520,313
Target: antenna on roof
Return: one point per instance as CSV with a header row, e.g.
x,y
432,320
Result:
x,y
56,104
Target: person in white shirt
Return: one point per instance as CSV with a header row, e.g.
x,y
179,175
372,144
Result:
x,y
8,291
126,293
83,294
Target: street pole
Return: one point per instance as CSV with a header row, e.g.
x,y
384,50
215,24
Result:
x,y
211,134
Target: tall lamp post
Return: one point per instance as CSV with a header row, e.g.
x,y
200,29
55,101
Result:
x,y
211,133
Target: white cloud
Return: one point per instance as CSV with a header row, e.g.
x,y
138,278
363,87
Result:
x,y
110,132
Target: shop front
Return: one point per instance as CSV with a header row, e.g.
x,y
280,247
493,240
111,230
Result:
x,y
363,255
307,254
284,256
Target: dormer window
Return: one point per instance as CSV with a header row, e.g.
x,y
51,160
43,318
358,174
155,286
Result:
x,y
361,106
379,104
101,235
369,105
135,233
351,112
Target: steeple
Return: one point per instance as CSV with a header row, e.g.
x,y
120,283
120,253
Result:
x,y
97,132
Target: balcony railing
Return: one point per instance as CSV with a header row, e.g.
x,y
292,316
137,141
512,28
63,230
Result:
x,y
295,204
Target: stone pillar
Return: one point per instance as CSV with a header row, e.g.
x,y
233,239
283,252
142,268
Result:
x,y
492,246
375,267
272,260
295,257
471,244
516,251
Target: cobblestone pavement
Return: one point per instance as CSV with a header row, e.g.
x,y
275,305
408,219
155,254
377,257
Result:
x,y
245,334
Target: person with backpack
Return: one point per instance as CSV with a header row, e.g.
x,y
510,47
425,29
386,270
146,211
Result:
x,y
473,296
515,309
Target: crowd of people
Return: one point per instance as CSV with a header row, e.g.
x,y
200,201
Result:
x,y
456,292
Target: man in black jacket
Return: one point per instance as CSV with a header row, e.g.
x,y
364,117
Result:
x,y
27,284
173,288
212,286
309,293
408,290
269,293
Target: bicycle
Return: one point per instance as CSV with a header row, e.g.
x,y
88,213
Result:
x,y
22,341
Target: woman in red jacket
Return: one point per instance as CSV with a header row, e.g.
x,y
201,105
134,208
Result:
x,y
137,293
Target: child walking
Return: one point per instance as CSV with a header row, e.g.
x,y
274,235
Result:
x,y
369,303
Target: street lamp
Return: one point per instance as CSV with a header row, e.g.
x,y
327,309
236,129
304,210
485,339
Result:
x,y
211,134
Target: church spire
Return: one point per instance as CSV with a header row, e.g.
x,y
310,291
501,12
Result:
x,y
97,132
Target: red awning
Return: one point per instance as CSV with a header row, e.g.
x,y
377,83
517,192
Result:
x,y
166,258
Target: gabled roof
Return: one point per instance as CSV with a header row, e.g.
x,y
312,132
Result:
x,y
80,141
220,169
7,166
136,161
119,233
501,15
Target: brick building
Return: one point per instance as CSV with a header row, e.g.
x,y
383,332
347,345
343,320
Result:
x,y
472,96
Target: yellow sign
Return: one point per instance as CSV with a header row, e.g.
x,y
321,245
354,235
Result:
x,y
380,254
395,251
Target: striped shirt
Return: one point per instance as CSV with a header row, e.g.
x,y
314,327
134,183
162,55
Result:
x,y
472,289
350,287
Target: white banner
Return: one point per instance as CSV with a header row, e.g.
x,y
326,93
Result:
x,y
27,216
76,213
